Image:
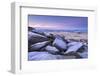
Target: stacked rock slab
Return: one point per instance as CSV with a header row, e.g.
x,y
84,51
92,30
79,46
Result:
x,y
35,38
73,47
60,43
38,46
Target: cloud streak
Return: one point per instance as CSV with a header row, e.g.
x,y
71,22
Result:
x,y
57,22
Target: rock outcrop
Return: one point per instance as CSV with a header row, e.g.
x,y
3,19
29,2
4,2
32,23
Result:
x,y
47,46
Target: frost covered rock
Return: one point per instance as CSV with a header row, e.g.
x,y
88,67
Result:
x,y
60,43
40,56
38,46
73,47
51,49
34,38
46,56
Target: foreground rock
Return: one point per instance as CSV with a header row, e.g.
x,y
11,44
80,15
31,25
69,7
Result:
x,y
40,56
39,46
52,49
60,43
34,38
46,56
73,47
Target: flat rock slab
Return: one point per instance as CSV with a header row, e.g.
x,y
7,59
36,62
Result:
x,y
39,45
74,47
40,56
37,31
60,43
34,38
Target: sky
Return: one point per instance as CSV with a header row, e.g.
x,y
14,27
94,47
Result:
x,y
58,22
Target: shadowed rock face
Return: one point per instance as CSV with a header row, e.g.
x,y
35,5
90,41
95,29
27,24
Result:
x,y
84,54
84,48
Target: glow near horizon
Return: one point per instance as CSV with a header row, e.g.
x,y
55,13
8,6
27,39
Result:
x,y
47,26
58,22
